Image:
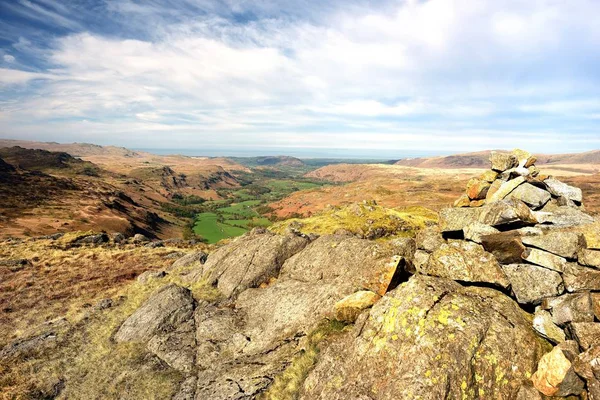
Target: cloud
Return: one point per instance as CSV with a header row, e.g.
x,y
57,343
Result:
x,y
266,73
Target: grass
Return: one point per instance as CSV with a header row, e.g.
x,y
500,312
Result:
x,y
90,363
248,223
208,226
364,219
287,385
243,208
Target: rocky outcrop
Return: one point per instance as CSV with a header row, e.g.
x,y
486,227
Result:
x,y
431,338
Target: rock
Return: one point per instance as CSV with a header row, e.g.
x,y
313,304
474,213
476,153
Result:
x,y
514,173
404,247
489,176
528,392
139,238
104,304
462,201
542,323
248,261
524,158
570,308
430,339
506,212
93,239
505,246
162,312
477,203
155,245
555,375
579,278
494,188
176,348
43,339
531,195
476,230
563,201
505,189
365,264
421,259
503,161
456,219
119,238
350,307
146,276
587,365
591,258
544,259
566,217
564,244
596,304
464,261
559,189
187,390
531,283
586,333
477,189
15,265
429,239
198,257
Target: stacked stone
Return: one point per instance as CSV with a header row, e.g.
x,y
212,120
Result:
x,y
524,233
514,175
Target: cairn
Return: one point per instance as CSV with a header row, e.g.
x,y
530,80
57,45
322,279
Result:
x,y
527,234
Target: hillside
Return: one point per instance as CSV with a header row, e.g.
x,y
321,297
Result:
x,y
74,149
481,160
493,300
279,161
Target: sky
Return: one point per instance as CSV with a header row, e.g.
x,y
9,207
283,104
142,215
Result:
x,y
346,76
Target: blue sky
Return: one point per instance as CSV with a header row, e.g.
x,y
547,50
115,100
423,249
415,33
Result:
x,y
370,77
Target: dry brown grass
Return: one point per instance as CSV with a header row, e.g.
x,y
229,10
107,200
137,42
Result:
x,y
62,279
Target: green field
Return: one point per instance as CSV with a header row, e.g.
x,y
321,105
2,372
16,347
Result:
x,y
244,209
243,223
209,228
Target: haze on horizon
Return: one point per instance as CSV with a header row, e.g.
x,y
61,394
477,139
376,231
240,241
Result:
x,y
427,77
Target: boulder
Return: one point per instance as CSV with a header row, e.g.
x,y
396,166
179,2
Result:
x,y
515,173
579,278
542,323
456,219
531,195
566,217
187,389
147,276
555,375
560,189
349,308
197,257
591,258
15,264
476,230
587,365
564,244
505,246
524,158
429,239
95,239
503,161
365,264
505,189
139,238
489,176
430,339
177,348
544,259
493,188
247,261
585,333
531,283
462,201
596,304
477,189
464,261
166,309
568,308
506,212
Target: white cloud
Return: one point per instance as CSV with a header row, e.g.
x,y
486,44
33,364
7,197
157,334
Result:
x,y
8,58
455,66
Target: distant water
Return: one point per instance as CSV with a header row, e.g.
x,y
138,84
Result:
x,y
298,152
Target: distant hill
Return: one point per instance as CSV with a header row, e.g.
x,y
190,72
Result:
x,y
271,161
46,161
481,160
74,149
